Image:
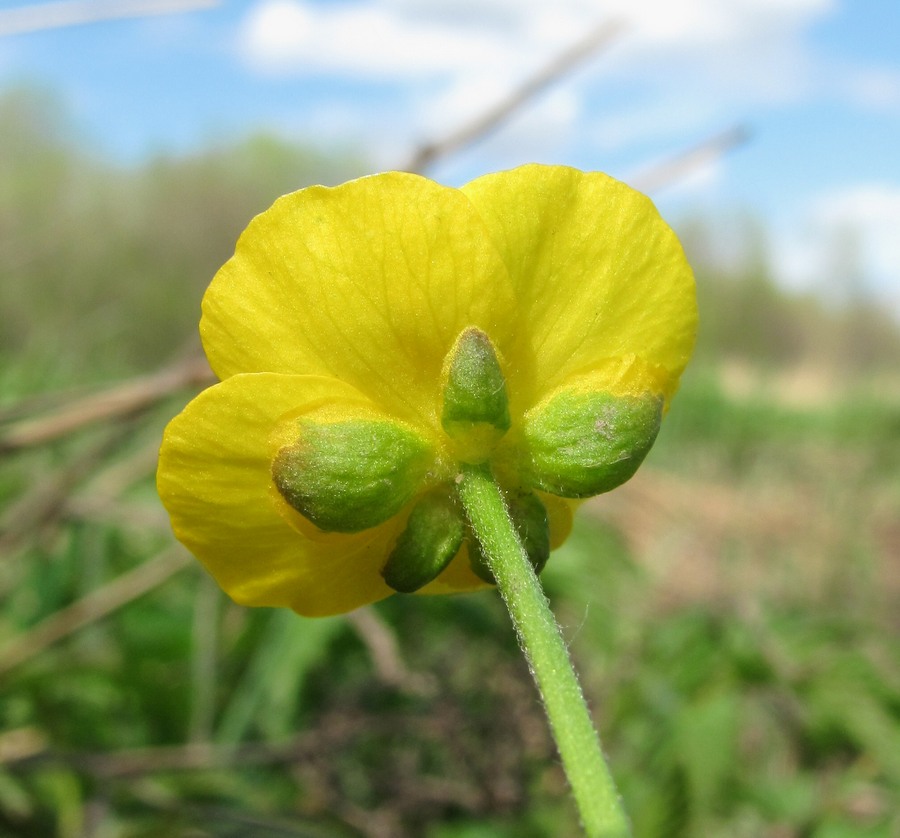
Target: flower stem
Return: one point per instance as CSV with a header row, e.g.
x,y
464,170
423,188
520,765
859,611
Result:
x,y
595,793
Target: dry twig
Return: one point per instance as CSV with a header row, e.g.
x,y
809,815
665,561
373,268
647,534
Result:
x,y
379,639
679,166
35,17
46,501
94,606
491,119
123,399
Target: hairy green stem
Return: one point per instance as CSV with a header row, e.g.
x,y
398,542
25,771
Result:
x,y
595,793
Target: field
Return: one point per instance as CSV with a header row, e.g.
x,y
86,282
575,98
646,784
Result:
x,y
733,610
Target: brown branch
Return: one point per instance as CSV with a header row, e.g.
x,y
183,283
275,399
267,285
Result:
x,y
110,483
197,756
679,166
38,16
94,606
46,500
28,747
193,756
491,119
381,643
100,498
142,516
44,402
122,399
21,744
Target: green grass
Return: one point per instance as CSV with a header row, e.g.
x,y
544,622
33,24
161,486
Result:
x,y
733,609
762,710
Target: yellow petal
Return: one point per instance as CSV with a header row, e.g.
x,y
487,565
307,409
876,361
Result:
x,y
215,479
598,273
369,282
458,577
560,514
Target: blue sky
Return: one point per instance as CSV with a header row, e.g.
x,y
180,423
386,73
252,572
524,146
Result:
x,y
816,83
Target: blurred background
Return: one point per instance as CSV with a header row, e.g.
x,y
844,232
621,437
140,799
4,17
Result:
x,y
734,610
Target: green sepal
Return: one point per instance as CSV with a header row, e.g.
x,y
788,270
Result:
x,y
581,444
352,475
476,408
529,518
433,536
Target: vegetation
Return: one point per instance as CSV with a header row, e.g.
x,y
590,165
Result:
x,y
733,609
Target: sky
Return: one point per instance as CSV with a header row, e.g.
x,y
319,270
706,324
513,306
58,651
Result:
x,y
815,84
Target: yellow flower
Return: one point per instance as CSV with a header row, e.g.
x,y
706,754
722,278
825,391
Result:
x,y
339,329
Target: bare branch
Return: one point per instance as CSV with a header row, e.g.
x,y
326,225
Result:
x,y
679,166
45,501
123,399
38,16
94,606
379,639
489,121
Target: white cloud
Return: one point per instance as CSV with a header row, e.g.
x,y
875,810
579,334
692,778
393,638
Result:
x,y
687,24
723,50
362,39
844,238
412,37
698,53
682,69
456,60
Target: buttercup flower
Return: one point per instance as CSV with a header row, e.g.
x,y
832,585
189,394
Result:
x,y
372,337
